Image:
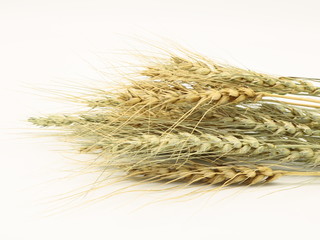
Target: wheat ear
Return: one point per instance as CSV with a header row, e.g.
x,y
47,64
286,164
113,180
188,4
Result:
x,y
170,97
205,72
226,175
284,121
183,144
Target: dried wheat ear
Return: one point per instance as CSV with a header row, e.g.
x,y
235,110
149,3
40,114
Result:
x,y
236,122
218,174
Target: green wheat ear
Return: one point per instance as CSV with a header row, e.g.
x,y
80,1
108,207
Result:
x,y
54,120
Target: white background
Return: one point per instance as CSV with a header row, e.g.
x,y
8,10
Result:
x,y
42,42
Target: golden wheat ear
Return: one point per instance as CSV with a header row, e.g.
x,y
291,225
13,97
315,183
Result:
x,y
216,174
199,70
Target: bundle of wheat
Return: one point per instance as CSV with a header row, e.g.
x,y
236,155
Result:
x,y
193,120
